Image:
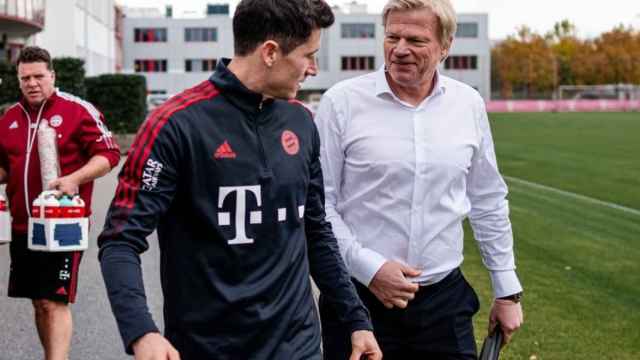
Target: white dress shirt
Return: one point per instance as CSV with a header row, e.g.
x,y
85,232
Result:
x,y
400,179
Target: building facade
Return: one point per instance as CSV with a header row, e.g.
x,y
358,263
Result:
x,y
19,19
84,29
175,54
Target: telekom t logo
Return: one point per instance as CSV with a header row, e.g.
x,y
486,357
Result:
x,y
255,217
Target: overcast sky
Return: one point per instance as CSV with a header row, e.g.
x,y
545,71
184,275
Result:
x,y
590,16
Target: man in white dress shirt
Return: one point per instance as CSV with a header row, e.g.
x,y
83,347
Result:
x,y
407,155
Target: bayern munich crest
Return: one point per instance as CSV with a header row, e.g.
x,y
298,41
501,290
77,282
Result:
x,y
55,121
290,142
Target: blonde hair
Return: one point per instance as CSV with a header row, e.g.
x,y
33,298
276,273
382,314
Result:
x,y
442,9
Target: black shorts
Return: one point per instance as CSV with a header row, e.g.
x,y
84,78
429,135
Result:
x,y
42,275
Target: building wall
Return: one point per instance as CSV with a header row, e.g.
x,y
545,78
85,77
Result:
x,y
175,50
337,47
333,48
83,29
480,47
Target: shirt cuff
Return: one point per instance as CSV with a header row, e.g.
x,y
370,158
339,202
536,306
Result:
x,y
366,265
360,325
505,283
133,336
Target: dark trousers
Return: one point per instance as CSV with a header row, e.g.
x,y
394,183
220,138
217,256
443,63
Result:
x,y
436,325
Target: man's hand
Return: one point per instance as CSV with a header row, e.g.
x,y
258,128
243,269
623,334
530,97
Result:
x,y
509,315
390,284
66,185
153,346
363,343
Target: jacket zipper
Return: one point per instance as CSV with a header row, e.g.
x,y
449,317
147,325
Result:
x,y
265,172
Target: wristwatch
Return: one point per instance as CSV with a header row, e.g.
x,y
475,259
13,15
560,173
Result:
x,y
515,297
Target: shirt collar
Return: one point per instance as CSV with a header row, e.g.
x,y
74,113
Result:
x,y
382,85
48,102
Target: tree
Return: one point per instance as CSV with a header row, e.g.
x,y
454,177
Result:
x,y
524,63
564,44
527,64
9,88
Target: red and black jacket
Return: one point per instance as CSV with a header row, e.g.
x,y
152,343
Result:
x,y
233,185
82,134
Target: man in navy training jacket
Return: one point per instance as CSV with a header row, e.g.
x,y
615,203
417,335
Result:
x,y
229,174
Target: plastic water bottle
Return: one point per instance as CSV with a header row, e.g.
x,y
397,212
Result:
x,y
36,207
3,204
71,207
51,206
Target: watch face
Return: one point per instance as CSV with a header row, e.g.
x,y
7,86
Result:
x,y
515,297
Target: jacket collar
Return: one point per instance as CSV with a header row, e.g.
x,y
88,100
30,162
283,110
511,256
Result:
x,y
47,103
238,94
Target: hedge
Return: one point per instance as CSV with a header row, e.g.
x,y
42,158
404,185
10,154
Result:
x,y
121,98
9,89
70,75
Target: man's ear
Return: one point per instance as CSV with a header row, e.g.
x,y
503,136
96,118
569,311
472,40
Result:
x,y
445,51
269,51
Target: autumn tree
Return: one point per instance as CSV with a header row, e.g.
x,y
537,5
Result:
x,y
524,63
528,64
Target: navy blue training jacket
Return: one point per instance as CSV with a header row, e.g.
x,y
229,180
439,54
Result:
x,y
234,187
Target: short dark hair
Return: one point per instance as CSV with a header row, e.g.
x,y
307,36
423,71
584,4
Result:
x,y
33,54
289,22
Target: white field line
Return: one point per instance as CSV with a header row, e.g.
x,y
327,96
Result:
x,y
574,195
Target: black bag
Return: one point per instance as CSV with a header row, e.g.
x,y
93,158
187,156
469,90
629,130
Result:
x,y
491,345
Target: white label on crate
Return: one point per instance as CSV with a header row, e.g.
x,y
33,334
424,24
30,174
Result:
x,y
5,227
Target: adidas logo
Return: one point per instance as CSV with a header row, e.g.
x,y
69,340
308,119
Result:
x,y
61,291
14,125
224,151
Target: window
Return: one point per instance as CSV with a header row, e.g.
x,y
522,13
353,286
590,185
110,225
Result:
x,y
151,65
200,65
461,62
358,63
218,9
467,30
358,31
200,34
150,35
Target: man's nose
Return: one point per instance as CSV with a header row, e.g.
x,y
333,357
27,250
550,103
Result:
x,y
402,48
312,70
31,82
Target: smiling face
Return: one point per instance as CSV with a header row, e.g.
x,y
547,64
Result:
x,y
289,71
37,82
412,48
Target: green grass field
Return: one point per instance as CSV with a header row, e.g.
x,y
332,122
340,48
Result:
x,y
579,260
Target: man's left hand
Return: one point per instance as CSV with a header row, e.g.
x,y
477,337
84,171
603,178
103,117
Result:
x,y
363,343
508,314
65,184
